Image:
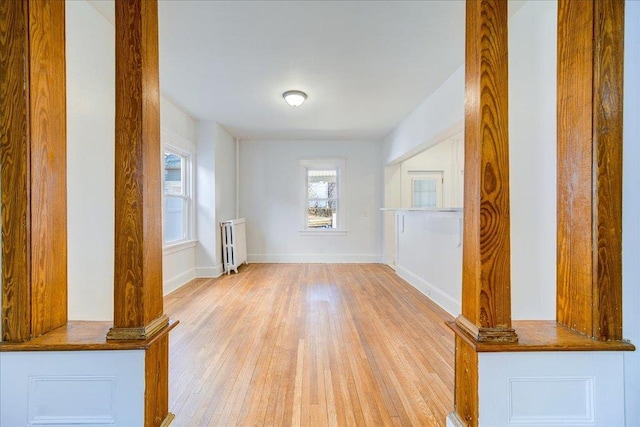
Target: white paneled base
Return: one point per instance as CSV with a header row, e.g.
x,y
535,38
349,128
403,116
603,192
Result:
x,y
72,388
316,258
551,389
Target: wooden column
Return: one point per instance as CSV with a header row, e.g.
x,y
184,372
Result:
x,y
486,279
138,311
33,164
590,81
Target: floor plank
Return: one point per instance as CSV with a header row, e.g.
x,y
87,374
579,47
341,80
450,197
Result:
x,y
309,344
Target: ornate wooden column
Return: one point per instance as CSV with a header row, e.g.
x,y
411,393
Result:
x,y
33,156
138,308
486,281
590,82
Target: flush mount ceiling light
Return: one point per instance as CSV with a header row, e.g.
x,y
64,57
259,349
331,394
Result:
x,y
294,97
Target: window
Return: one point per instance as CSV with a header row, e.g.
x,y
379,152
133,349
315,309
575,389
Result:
x,y
323,202
322,198
177,196
426,189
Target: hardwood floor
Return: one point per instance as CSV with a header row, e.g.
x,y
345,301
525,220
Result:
x,y
308,344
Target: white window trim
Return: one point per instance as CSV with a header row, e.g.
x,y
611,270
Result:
x,y
177,144
339,165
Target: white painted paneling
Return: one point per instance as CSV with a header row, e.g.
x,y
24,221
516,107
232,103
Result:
x,y
272,200
569,388
532,152
430,255
50,402
546,408
66,388
631,211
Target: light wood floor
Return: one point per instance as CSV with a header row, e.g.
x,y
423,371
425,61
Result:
x,y
308,344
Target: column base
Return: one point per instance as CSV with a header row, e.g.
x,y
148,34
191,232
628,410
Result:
x,y
479,334
139,333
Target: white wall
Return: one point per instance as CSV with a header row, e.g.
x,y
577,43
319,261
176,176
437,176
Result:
x,y
439,117
272,200
90,44
532,146
90,161
178,130
392,190
216,188
441,157
631,211
532,58
430,255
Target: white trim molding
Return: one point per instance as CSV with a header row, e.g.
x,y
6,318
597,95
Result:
x,y
209,272
178,281
445,301
315,258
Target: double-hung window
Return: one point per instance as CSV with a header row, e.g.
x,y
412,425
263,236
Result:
x,y
177,196
324,195
322,198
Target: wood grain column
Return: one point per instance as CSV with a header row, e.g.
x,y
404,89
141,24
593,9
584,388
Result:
x,y
138,311
486,272
590,81
486,281
33,167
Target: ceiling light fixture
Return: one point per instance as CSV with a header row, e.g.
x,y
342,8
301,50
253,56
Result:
x,y
294,97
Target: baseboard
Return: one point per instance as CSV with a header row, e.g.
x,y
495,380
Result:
x,y
444,300
179,280
454,421
314,258
209,272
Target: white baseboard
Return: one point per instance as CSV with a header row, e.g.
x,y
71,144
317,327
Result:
x,y
179,280
449,304
315,258
454,421
209,272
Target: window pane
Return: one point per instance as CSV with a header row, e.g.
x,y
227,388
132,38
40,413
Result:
x,y
425,193
173,167
322,217
322,184
174,218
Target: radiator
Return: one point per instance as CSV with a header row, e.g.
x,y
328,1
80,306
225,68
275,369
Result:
x,y
234,244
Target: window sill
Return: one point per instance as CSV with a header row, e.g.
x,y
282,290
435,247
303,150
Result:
x,y
179,246
325,232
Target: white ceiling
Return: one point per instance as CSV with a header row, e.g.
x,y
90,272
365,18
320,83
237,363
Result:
x,y
365,65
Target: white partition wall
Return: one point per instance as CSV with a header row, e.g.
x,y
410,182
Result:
x,y
63,388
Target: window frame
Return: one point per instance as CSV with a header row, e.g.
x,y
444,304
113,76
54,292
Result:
x,y
337,164
170,145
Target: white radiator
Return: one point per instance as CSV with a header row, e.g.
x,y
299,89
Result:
x,y
234,244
